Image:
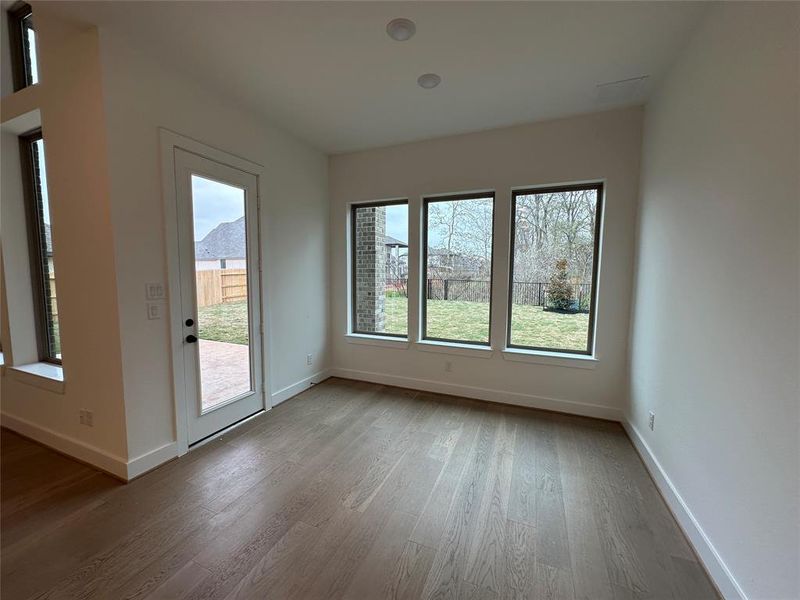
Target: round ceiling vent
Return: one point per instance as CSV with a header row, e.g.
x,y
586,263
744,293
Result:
x,y
401,30
429,80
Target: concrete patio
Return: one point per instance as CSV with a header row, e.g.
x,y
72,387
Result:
x,y
225,371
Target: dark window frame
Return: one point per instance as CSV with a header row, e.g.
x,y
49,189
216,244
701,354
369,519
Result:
x,y
424,271
599,187
353,268
19,50
37,244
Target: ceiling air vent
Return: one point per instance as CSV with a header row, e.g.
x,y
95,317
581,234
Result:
x,y
622,91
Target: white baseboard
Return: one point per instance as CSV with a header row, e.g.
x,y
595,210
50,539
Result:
x,y
301,386
152,459
116,465
514,398
105,461
717,569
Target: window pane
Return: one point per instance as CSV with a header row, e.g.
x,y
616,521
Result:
x,y
49,310
223,311
458,280
553,263
29,46
380,269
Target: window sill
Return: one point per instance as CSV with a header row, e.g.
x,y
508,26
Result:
x,y
42,375
377,340
455,348
553,359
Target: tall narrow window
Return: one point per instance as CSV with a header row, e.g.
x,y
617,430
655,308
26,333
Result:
x,y
41,247
456,298
380,268
22,38
555,242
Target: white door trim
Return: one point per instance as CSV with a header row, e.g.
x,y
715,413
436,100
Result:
x,y
169,142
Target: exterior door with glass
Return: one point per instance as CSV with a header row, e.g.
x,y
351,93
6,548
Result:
x,y
217,210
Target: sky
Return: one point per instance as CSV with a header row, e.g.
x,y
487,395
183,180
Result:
x,y
43,178
214,203
34,57
397,222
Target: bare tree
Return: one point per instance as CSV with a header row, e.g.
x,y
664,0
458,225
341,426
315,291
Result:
x,y
554,226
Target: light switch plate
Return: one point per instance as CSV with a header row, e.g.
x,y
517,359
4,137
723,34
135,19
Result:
x,y
153,311
154,291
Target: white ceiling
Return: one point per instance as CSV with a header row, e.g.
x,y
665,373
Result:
x,y
328,72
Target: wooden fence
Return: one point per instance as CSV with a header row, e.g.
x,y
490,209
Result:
x,y
213,287
53,301
218,286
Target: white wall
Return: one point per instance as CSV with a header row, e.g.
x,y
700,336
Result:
x,y
599,146
714,349
6,75
142,94
69,99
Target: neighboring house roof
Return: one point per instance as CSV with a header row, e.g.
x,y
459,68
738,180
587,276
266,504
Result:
x,y
226,240
394,242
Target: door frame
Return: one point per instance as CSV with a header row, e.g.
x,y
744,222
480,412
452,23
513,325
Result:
x,y
170,142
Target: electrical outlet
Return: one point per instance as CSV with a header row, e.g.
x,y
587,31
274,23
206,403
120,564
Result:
x,y
86,417
651,421
448,367
309,359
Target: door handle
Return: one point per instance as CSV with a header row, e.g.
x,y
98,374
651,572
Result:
x,y
191,339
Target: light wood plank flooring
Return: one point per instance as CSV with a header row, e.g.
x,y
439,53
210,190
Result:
x,y
354,490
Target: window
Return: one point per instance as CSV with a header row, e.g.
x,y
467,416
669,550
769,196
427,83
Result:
x,y
554,248
457,245
380,268
22,38
41,247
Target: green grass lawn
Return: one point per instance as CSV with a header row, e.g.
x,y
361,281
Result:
x,y
469,321
223,323
448,319
533,326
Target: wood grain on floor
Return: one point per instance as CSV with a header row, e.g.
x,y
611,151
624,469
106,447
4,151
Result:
x,y
354,490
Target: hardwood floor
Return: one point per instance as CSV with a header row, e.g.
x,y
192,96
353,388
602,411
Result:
x,y
354,490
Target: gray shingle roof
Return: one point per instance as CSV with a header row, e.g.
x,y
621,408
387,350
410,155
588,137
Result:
x,y
226,240
390,241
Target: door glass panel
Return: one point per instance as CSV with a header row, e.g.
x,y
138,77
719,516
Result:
x,y
223,313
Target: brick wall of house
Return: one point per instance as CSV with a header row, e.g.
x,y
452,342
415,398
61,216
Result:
x,y
371,269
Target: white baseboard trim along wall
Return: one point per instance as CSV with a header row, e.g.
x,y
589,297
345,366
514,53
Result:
x,y
117,466
105,461
152,459
112,464
301,386
714,564
467,391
